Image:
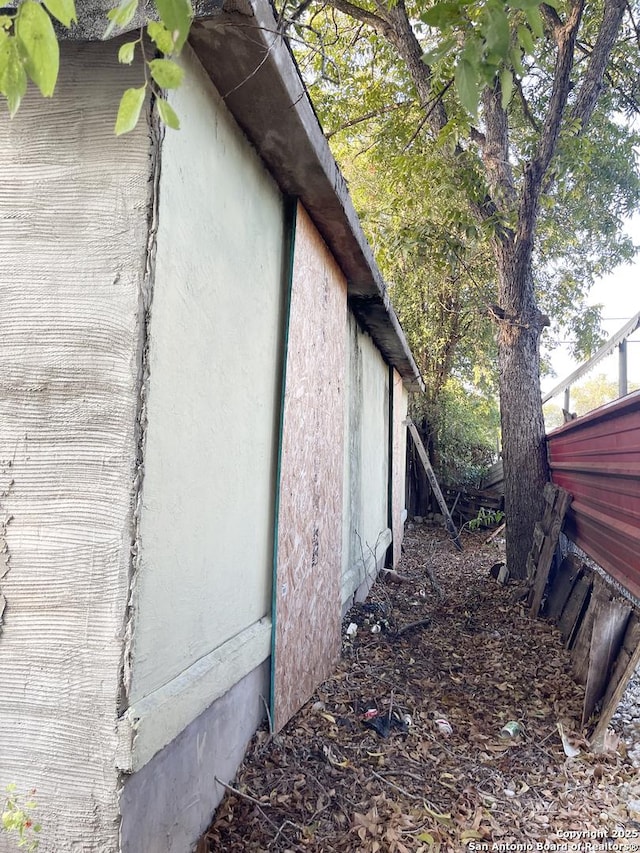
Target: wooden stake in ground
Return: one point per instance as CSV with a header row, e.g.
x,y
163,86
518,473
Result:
x,y
433,482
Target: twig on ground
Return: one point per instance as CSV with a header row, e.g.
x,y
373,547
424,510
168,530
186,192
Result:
x,y
403,773
241,794
421,623
396,787
281,830
434,583
495,533
266,707
249,798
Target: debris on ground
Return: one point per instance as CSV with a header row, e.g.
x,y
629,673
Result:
x,y
454,725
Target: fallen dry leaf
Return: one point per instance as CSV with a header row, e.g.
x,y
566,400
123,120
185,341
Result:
x,y
326,784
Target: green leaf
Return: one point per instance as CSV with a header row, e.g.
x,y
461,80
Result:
x,y
535,21
432,57
176,15
506,87
496,31
127,52
526,39
121,15
39,45
469,834
5,22
167,114
13,78
442,15
516,62
467,85
523,4
166,73
161,37
62,10
129,110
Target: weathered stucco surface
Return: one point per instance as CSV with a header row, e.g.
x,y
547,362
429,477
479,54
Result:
x,y
202,593
308,613
366,532
398,463
73,243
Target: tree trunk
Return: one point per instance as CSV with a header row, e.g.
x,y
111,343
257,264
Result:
x,y
520,324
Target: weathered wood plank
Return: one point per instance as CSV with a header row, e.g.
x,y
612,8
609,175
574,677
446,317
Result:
x,y
581,647
534,554
576,605
623,669
433,482
552,534
568,573
611,618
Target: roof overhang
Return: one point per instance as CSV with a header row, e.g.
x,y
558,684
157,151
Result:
x,y
249,62
251,66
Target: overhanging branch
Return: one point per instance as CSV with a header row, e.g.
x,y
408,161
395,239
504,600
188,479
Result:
x,y
537,168
592,83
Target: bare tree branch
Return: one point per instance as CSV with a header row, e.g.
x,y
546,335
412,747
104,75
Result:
x,y
537,167
592,84
367,116
634,23
533,121
374,21
552,20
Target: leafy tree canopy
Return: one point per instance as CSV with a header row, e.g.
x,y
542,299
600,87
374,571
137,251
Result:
x,y
529,106
377,129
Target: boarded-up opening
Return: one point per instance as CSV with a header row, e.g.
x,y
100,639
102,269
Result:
x,y
307,611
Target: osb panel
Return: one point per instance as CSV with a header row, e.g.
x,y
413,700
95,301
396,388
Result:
x,y
308,612
399,458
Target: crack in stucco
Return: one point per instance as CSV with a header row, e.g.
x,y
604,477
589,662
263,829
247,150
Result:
x,y
5,520
156,133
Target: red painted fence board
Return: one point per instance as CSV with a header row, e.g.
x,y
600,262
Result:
x,y
597,459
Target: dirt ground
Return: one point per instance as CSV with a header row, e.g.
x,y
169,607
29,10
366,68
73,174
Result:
x,y
401,750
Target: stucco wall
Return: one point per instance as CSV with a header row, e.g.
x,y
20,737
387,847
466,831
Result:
x,y
308,613
73,241
202,593
366,533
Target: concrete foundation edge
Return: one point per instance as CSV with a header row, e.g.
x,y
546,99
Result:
x,y
167,805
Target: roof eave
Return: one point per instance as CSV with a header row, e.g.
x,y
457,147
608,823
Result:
x,y
264,92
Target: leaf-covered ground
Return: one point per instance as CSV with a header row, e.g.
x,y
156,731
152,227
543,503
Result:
x,y
475,661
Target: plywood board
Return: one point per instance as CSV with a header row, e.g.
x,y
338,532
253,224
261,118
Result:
x,y
307,595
